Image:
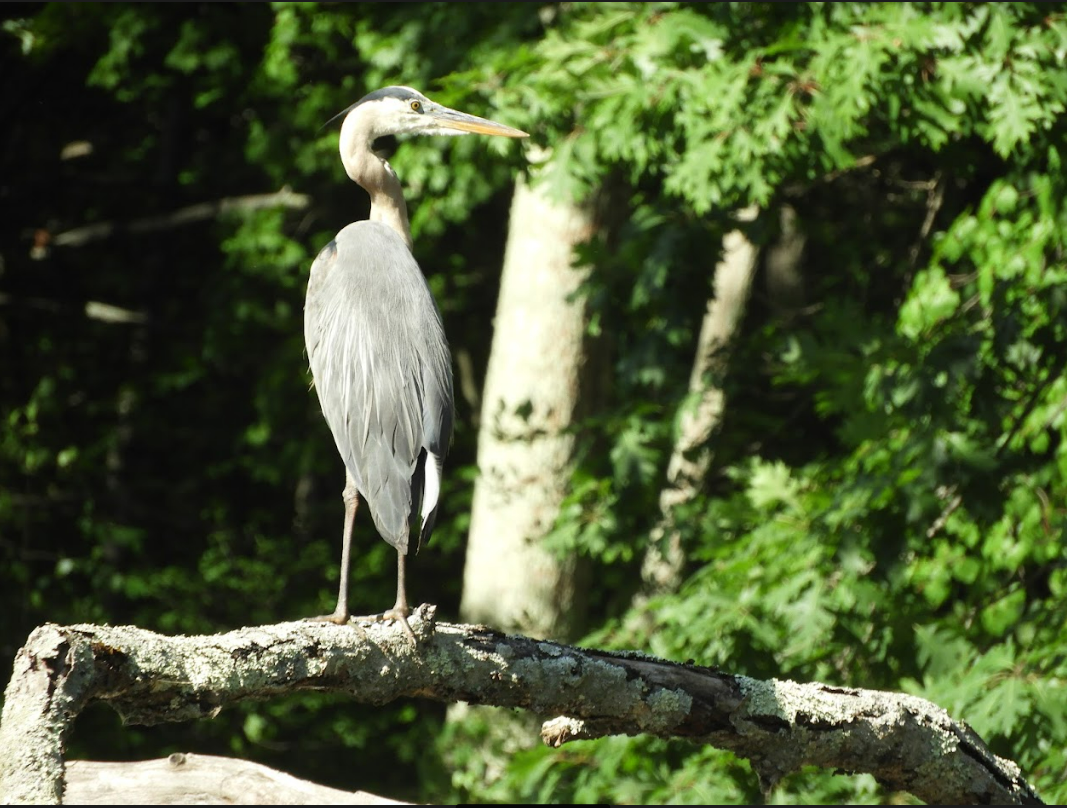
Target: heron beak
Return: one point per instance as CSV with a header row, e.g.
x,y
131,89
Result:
x,y
462,122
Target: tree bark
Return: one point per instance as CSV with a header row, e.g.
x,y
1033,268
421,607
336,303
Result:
x,y
535,383
907,743
183,779
782,274
692,455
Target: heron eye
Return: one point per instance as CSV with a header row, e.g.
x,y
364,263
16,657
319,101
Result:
x,y
416,106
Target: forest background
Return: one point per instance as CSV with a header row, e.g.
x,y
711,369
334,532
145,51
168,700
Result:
x,y
859,478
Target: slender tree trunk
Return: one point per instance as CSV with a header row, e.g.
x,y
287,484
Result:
x,y
692,455
781,266
534,387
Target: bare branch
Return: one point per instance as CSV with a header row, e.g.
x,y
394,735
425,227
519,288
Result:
x,y
80,236
94,309
935,198
954,502
906,742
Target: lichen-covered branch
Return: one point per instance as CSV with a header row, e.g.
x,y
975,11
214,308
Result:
x,y
905,742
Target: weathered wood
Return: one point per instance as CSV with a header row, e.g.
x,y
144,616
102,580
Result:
x,y
905,742
199,780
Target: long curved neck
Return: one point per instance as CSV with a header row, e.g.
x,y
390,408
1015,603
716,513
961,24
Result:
x,y
375,175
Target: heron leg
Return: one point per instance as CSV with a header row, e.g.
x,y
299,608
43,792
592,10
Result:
x,y
400,610
350,496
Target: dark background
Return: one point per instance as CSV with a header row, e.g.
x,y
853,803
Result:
x,y
163,462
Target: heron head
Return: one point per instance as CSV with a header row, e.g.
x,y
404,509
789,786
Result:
x,y
403,110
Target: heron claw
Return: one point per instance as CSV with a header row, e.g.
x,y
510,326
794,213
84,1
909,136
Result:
x,y
400,615
337,618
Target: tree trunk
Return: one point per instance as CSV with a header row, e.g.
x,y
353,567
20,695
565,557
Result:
x,y
536,379
781,266
692,455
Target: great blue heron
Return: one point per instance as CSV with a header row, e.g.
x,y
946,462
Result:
x,y
378,353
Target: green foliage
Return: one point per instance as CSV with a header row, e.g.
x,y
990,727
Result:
x,y
887,502
887,506
174,471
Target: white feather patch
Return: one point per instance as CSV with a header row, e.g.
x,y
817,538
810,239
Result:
x,y
432,488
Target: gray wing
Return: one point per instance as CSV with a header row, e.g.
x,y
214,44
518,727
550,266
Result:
x,y
383,374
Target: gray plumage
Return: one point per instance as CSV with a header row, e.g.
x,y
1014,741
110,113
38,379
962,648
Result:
x,y
383,372
378,353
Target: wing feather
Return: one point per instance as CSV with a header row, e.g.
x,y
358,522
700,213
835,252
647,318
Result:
x,y
382,370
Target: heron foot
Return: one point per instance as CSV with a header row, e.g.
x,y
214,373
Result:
x,y
396,613
338,618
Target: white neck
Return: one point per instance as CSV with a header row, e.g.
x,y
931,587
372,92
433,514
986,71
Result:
x,y
373,174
